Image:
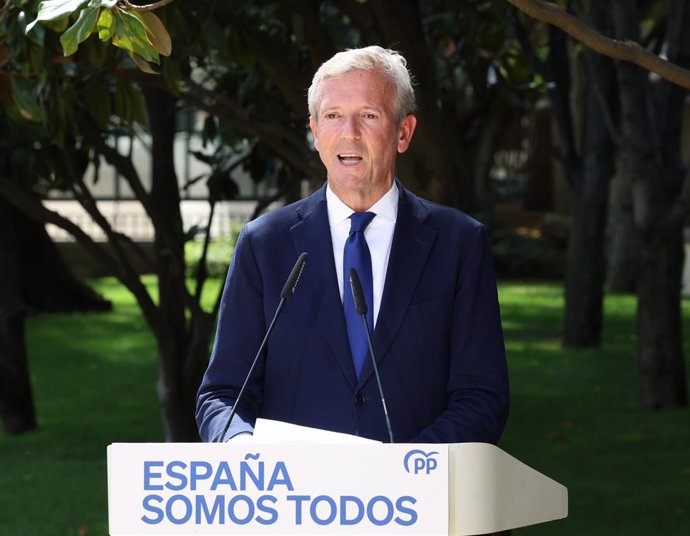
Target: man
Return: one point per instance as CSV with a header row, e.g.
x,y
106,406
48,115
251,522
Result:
x,y
436,328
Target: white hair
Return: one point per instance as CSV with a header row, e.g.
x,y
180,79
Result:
x,y
371,58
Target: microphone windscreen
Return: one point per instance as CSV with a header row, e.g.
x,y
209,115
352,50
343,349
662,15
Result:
x,y
291,283
357,292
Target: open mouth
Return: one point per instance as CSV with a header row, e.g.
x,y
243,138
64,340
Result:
x,y
349,159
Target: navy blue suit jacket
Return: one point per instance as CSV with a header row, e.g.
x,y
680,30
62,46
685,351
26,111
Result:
x,y
438,337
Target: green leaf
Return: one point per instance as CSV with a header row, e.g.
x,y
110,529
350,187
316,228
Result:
x,y
52,10
131,35
103,3
58,26
105,25
37,36
79,31
26,98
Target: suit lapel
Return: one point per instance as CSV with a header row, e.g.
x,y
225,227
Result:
x,y
412,242
312,234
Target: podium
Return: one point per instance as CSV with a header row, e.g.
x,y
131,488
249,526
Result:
x,y
315,482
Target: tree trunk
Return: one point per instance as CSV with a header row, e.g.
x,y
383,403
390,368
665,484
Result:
x,y
650,112
430,166
17,411
33,276
46,282
539,191
178,385
660,349
582,325
50,285
623,241
177,343
585,265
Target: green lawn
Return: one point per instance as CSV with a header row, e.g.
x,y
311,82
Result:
x,y
574,417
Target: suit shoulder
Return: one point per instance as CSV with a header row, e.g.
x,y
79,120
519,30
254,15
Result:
x,y
276,221
442,215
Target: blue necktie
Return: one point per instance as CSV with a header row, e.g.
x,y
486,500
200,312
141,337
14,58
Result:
x,y
356,255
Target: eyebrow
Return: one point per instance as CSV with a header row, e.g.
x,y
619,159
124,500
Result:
x,y
337,108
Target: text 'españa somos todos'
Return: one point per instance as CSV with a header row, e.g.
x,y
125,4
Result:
x,y
253,491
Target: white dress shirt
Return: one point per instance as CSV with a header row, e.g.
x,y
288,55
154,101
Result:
x,y
379,236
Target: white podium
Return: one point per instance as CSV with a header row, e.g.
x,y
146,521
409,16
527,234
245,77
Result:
x,y
315,482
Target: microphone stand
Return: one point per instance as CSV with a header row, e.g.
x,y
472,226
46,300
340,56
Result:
x,y
285,295
361,306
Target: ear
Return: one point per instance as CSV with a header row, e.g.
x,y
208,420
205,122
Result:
x,y
314,131
405,132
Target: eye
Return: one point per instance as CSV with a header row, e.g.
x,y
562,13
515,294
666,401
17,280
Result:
x,y
370,115
330,115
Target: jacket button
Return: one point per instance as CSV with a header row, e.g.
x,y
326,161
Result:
x,y
359,400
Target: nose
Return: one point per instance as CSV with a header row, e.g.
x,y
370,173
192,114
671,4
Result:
x,y
351,127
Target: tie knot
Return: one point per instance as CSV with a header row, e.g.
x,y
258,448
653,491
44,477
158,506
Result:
x,y
360,220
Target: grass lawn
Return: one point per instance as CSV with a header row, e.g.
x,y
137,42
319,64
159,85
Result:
x,y
574,417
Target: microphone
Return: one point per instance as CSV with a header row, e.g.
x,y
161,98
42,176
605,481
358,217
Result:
x,y
361,306
293,278
285,295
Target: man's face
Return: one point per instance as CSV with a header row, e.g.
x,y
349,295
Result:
x,y
357,135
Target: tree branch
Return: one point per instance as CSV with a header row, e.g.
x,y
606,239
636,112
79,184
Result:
x,y
147,7
82,194
266,201
281,140
201,270
36,210
628,51
126,168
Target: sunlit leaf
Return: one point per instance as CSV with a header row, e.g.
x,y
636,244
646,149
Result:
x,y
79,31
52,10
105,25
157,33
130,34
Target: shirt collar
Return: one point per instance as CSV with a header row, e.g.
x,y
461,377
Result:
x,y
386,207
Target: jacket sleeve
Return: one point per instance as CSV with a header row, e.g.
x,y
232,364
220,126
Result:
x,y
477,390
241,325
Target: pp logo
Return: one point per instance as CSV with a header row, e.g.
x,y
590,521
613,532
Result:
x,y
417,461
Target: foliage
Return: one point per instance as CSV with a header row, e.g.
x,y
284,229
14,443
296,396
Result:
x,y
243,67
574,417
141,34
248,64
219,251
